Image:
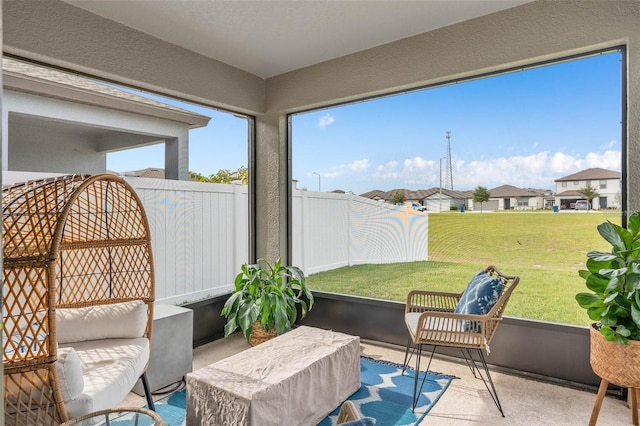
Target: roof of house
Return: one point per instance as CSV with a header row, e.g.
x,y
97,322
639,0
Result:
x,y
419,194
511,191
44,81
570,193
374,194
446,192
591,174
149,172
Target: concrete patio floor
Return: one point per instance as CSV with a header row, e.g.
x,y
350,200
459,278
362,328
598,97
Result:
x,y
525,401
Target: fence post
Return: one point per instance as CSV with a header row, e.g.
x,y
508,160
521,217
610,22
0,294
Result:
x,y
350,233
237,205
302,228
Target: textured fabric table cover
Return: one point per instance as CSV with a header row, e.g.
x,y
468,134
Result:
x,y
297,378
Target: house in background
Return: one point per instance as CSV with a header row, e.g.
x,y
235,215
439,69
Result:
x,y
60,123
434,199
440,199
607,183
376,195
509,197
389,196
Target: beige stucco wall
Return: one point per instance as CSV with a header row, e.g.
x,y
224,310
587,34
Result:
x,y
534,32
57,33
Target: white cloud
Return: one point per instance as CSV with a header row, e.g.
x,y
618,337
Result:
x,y
417,164
356,166
359,165
388,171
326,120
608,146
537,170
525,171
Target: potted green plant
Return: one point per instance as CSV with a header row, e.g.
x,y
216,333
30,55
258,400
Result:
x,y
264,301
614,280
613,303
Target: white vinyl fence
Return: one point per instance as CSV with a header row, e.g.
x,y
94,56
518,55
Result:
x,y
199,233
199,236
331,230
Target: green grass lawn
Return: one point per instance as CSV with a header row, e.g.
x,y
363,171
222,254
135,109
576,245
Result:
x,y
545,249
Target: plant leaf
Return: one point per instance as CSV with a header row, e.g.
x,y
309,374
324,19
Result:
x,y
595,312
601,256
613,285
587,300
633,224
635,314
611,297
597,283
614,235
595,266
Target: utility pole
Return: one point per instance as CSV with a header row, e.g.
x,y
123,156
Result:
x,y
440,196
450,168
316,173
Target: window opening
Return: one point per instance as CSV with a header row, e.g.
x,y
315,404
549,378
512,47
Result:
x,y
360,169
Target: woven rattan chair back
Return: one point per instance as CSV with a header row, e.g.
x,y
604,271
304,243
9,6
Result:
x,y
438,325
71,241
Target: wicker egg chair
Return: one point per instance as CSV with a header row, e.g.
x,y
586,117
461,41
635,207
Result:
x,y
69,242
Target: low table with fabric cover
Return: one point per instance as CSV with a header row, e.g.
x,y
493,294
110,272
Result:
x,y
297,378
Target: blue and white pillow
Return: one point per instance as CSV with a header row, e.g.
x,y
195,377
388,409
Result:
x,y
481,294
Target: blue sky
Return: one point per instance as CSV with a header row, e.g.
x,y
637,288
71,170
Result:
x,y
525,128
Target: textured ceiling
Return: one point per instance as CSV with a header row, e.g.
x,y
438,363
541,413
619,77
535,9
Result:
x,y
271,37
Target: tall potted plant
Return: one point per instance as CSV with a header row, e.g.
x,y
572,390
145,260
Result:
x,y
613,303
264,301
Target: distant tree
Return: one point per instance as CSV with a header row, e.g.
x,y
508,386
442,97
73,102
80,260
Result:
x,y
589,192
197,177
481,195
398,198
242,174
223,176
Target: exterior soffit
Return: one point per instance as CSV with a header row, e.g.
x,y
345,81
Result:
x,y
35,86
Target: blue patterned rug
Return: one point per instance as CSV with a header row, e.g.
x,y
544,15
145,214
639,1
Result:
x,y
385,395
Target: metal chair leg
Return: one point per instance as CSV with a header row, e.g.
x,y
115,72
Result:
x,y
415,376
147,392
416,392
407,357
469,361
492,391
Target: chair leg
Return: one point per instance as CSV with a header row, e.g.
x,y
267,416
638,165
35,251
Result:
x,y
407,358
417,392
415,377
469,361
147,392
634,406
602,390
492,391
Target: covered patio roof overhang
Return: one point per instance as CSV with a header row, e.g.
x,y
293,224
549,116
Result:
x,y
62,35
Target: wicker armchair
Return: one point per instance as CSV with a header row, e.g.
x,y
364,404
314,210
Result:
x,y
69,242
431,320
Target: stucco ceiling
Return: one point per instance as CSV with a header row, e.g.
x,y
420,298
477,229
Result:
x,y
271,37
